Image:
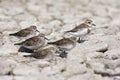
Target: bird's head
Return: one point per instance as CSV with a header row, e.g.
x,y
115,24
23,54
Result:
x,y
89,22
33,27
43,35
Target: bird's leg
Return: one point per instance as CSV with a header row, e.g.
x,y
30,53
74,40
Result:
x,y
79,40
46,38
38,31
63,54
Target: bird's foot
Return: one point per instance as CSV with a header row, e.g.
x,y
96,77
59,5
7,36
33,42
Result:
x,y
63,54
80,40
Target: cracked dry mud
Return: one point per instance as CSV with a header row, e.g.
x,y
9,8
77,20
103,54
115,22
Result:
x,y
98,58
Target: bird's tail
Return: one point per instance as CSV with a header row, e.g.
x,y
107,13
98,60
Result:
x,y
13,34
66,32
51,42
18,43
28,56
23,49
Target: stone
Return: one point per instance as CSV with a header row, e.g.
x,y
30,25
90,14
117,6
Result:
x,y
11,49
89,60
56,67
89,76
23,70
44,17
93,55
6,66
81,77
97,66
25,78
33,8
111,40
1,39
91,46
24,17
8,25
14,11
25,24
80,51
55,25
113,53
5,18
40,63
6,78
99,47
101,10
74,67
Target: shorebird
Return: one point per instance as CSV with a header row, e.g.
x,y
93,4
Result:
x,y
27,32
45,53
65,44
82,29
34,42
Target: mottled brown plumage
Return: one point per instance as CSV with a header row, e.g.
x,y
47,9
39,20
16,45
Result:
x,y
25,32
64,41
43,53
79,27
34,42
65,44
82,29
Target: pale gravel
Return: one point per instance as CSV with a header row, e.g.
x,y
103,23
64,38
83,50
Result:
x,y
53,17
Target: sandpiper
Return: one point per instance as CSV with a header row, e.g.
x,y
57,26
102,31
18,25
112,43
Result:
x,y
34,42
27,32
82,29
43,53
65,44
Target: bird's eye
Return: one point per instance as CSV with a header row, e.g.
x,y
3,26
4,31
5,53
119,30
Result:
x,y
89,22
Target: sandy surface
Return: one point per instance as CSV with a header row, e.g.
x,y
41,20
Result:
x,y
95,59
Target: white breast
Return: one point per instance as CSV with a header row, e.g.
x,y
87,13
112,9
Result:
x,y
67,47
80,33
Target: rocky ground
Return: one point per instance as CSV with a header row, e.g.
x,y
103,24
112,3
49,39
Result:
x,y
98,58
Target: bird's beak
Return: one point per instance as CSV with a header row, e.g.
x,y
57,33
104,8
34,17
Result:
x,y
46,38
93,25
38,31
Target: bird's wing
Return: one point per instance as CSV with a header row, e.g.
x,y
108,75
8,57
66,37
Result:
x,y
79,27
27,42
63,41
19,43
44,52
32,41
24,33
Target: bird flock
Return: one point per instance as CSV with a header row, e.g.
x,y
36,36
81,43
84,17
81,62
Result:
x,y
35,40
